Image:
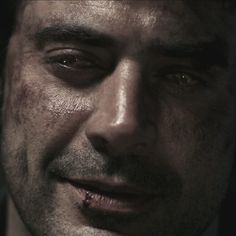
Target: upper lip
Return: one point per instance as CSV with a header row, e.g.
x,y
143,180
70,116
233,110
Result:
x,y
111,187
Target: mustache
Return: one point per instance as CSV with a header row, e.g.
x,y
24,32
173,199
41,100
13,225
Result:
x,y
87,163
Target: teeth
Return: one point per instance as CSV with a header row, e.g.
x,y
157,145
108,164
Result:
x,y
88,199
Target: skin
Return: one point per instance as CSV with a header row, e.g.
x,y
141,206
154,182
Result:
x,y
127,111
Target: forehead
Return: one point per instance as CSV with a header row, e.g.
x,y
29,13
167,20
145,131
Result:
x,y
142,20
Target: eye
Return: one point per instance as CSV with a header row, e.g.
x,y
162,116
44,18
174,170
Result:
x,y
75,67
73,60
178,81
182,79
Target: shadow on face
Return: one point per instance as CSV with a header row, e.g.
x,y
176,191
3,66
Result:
x,y
118,117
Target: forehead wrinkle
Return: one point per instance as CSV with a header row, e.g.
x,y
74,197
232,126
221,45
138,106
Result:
x,y
145,9
54,12
156,19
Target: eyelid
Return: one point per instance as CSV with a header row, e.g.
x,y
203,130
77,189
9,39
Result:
x,y
58,53
67,50
177,68
182,69
78,68
200,79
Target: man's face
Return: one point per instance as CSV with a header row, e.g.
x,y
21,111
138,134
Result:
x,y
118,117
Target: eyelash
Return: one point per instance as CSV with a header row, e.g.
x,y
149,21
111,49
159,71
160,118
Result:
x,y
178,80
183,78
65,58
76,67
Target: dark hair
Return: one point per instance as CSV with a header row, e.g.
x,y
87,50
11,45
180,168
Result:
x,y
8,12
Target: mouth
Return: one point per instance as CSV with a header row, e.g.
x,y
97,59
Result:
x,y
109,197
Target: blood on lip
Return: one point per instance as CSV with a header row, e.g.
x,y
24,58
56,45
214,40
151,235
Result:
x,y
87,200
111,199
123,203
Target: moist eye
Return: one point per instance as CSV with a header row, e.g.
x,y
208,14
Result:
x,y
75,67
71,61
178,81
182,79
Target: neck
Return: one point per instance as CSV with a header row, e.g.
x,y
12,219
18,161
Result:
x,y
15,226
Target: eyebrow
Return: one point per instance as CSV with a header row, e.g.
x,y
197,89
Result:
x,y
65,33
202,54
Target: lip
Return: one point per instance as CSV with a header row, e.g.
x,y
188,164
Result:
x,y
107,196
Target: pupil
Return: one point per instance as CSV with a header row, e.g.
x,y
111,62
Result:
x,y
69,61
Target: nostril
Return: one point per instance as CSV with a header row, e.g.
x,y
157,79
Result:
x,y
99,143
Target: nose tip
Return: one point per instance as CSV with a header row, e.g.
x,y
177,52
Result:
x,y
119,135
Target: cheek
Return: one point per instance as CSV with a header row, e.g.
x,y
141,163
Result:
x,y
197,139
43,117
193,143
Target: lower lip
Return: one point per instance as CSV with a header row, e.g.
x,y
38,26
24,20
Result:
x,y
107,203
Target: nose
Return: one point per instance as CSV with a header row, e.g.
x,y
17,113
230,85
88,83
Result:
x,y
117,124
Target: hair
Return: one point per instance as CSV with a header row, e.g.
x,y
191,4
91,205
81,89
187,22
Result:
x,y
8,13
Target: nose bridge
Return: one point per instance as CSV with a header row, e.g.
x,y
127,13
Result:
x,y
125,100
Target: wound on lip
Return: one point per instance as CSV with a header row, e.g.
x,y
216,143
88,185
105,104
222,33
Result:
x,y
87,199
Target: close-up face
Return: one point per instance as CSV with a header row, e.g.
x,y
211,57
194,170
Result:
x,y
118,117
